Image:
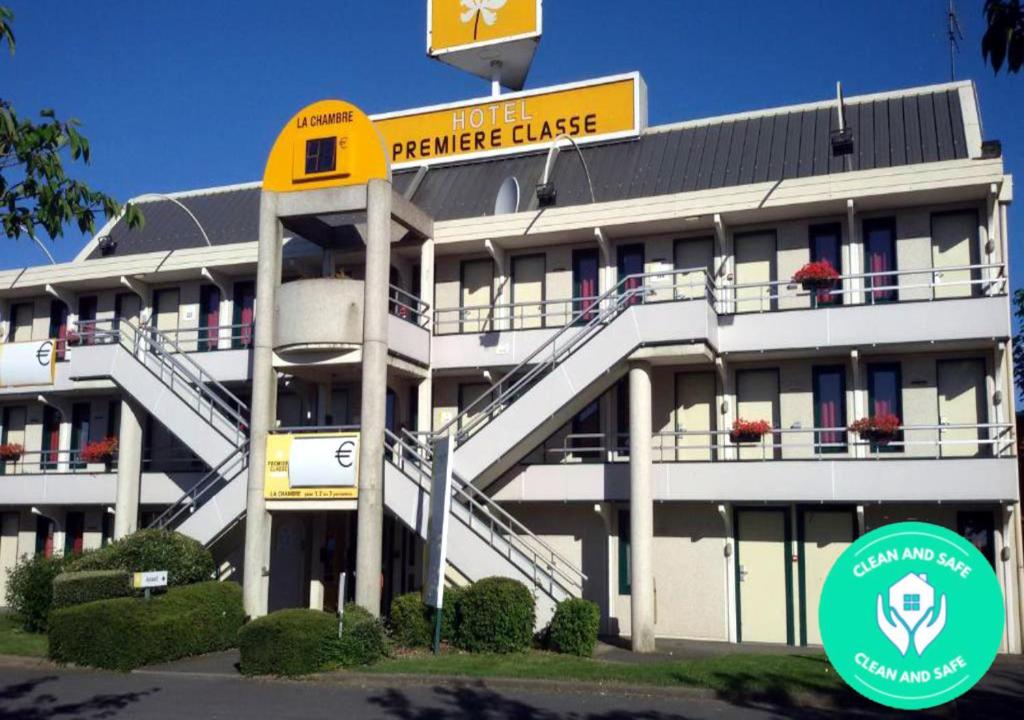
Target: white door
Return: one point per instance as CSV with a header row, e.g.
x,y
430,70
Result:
x,y
761,560
8,550
697,257
961,402
757,398
129,307
477,295
954,236
755,268
527,292
827,533
22,322
469,393
695,416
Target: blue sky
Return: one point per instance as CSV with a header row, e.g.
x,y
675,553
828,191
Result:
x,y
192,93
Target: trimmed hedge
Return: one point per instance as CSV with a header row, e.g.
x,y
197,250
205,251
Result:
x,y
30,589
300,642
410,621
75,588
287,642
451,613
574,627
126,633
185,560
496,615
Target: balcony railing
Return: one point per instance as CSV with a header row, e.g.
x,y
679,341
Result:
x,y
204,338
911,442
875,288
51,462
408,307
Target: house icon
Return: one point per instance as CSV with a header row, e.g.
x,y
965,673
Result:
x,y
911,598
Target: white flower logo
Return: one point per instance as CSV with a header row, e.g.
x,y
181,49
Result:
x,y
476,9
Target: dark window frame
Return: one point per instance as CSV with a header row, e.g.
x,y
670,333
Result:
x,y
817,371
881,296
888,366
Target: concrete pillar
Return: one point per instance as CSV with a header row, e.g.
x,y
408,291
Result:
x,y
263,410
129,470
369,531
641,510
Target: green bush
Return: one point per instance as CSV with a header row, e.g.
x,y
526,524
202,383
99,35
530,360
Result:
x,y
574,627
410,621
126,633
288,642
185,560
75,588
30,589
300,642
496,615
363,640
451,613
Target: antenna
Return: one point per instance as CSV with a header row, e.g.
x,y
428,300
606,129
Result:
x,y
955,36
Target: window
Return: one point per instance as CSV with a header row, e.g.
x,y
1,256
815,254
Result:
x,y
51,438
630,267
584,284
80,413
87,319
44,536
528,291
21,322
320,155
587,427
622,416
880,259
245,301
209,322
912,602
74,533
59,326
829,388
826,244
885,397
625,570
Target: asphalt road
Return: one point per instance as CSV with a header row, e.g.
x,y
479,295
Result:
x,y
42,693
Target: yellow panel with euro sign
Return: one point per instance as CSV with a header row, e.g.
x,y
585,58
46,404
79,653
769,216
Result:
x,y
456,24
327,144
313,466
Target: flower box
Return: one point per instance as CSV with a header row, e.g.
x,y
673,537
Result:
x,y
817,276
877,429
749,431
11,452
100,451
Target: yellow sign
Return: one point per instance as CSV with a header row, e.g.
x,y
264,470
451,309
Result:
x,y
602,109
326,144
314,466
456,24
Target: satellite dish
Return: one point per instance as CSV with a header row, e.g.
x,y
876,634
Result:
x,y
507,200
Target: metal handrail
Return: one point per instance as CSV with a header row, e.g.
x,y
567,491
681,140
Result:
x,y
88,333
605,308
190,499
231,409
418,310
51,462
511,530
999,440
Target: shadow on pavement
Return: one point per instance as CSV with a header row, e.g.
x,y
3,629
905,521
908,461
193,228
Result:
x,y
26,701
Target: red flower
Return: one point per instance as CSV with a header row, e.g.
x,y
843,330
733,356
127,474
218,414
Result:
x,y
885,424
100,450
11,452
750,428
820,271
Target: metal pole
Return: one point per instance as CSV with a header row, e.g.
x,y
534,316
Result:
x,y
341,602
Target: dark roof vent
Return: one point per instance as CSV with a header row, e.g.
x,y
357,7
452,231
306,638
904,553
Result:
x,y
107,246
991,149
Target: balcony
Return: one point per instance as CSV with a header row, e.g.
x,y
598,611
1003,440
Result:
x,y
964,303
970,463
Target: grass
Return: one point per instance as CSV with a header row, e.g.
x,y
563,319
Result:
x,y
16,641
776,677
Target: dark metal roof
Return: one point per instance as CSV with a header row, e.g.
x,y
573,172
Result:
x,y
905,129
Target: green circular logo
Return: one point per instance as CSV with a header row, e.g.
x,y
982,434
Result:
x,y
911,615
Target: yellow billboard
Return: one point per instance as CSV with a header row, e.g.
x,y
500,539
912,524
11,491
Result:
x,y
313,466
326,144
457,24
602,109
